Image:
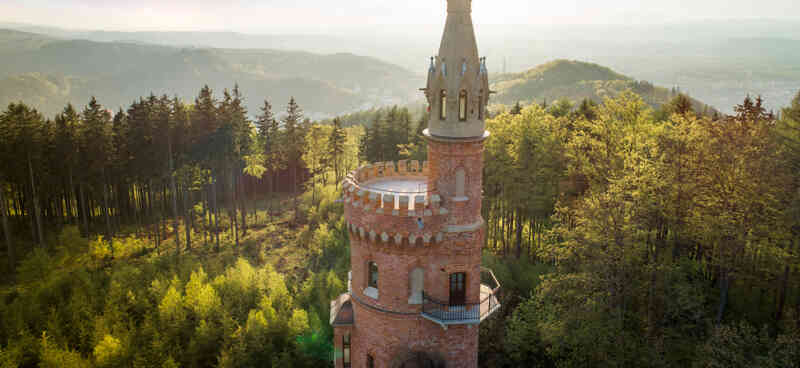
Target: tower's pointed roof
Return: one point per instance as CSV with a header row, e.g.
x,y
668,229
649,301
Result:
x,y
458,40
458,78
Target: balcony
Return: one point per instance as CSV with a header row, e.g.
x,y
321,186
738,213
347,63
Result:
x,y
445,314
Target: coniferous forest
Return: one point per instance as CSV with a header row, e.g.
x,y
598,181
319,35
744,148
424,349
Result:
x,y
200,234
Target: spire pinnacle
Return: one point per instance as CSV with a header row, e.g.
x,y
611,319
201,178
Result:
x,y
458,89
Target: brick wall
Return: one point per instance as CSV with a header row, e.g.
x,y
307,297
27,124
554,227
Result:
x,y
389,338
389,328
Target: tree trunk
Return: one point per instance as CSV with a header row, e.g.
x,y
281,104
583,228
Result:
x,y
294,194
797,311
207,213
109,236
782,297
118,205
153,219
724,287
6,231
242,196
174,190
272,189
137,204
36,209
162,218
233,210
65,210
188,221
216,213
82,209
519,235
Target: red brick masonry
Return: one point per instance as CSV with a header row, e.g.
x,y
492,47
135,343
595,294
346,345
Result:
x,y
389,328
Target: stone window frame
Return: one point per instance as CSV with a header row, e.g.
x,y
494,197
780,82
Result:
x,y
461,181
443,104
415,298
481,108
371,288
463,103
346,350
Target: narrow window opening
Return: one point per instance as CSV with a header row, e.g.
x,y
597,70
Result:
x,y
480,106
461,183
373,275
346,350
462,106
443,105
370,361
416,282
458,289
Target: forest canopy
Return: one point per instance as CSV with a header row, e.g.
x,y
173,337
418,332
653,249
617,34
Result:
x,y
186,234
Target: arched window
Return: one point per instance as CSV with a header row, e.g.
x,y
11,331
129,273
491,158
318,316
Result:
x,y
461,182
480,106
443,105
373,275
372,280
416,283
462,106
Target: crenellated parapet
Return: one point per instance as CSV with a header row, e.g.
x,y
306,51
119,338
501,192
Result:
x,y
389,203
388,188
390,169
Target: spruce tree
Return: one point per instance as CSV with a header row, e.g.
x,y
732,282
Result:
x,y
336,143
295,144
97,151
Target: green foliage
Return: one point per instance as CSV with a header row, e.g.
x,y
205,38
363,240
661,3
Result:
x,y
108,351
743,345
651,220
201,298
145,311
55,357
391,135
36,267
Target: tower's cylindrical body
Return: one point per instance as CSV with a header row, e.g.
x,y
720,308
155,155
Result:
x,y
416,294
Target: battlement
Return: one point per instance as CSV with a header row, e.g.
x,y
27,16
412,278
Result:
x,y
389,203
394,189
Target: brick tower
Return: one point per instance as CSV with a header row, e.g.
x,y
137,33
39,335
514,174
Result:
x,y
417,291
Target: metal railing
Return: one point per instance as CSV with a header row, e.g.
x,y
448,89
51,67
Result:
x,y
458,313
447,313
488,279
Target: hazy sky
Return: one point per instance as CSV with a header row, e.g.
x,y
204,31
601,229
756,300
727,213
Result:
x,y
277,15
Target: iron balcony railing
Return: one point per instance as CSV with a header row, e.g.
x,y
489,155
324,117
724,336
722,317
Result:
x,y
456,314
468,313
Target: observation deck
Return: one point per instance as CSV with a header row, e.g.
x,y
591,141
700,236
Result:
x,y
391,203
442,313
447,314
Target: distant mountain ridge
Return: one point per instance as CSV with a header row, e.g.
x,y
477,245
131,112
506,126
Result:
x,y
719,61
574,80
48,72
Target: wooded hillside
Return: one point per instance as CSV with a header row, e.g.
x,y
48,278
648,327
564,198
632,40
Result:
x,y
575,81
120,71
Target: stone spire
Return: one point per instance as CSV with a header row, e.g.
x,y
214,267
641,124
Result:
x,y
458,84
